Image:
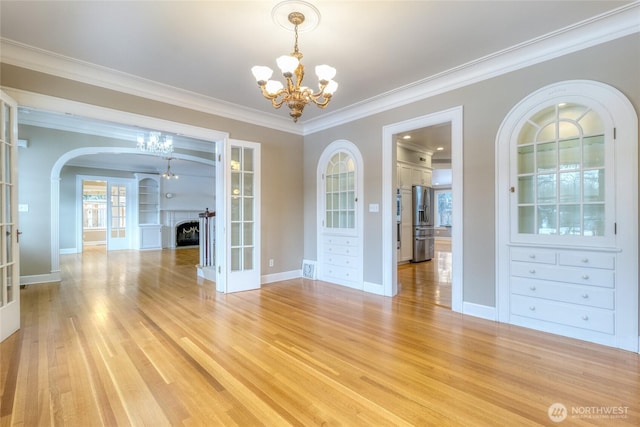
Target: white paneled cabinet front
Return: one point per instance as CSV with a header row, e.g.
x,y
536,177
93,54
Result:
x,y
342,258
571,290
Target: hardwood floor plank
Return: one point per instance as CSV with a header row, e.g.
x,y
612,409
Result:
x,y
135,338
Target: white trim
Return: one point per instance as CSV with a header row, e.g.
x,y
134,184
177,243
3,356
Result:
x,y
617,112
599,29
389,250
374,288
38,279
279,277
80,109
481,311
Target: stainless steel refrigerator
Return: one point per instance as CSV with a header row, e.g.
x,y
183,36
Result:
x,y
423,222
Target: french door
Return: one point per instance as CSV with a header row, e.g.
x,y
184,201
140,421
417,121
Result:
x,y
239,189
118,219
9,251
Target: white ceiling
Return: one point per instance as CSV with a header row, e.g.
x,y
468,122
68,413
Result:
x,y
208,47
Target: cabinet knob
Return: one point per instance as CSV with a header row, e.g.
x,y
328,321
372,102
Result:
x,y
585,317
585,276
532,307
532,271
585,260
585,296
532,256
533,288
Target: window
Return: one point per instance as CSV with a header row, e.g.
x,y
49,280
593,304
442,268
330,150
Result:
x,y
444,208
561,172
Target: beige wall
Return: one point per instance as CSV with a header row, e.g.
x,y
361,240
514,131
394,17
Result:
x,y
485,105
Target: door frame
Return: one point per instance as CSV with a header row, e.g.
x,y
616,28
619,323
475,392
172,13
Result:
x,y
389,183
65,106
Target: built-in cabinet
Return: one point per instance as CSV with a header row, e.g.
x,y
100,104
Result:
x,y
340,237
149,227
567,230
405,250
563,289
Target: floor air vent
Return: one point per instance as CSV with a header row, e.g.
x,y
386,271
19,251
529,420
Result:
x,y
309,269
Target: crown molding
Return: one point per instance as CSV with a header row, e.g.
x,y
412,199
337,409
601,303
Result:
x,y
599,29
67,115
602,28
33,58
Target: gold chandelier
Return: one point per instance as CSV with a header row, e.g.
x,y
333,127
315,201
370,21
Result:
x,y
294,94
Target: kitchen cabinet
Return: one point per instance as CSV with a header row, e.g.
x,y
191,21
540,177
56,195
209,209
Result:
x,y
406,228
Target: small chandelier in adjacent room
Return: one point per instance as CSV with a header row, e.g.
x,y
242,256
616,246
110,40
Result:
x,y
168,174
293,93
155,144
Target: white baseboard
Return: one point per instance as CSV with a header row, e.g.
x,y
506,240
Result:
x,y
68,251
477,310
40,278
278,277
373,288
207,273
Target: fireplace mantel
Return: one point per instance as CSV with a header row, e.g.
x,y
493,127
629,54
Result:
x,y
170,220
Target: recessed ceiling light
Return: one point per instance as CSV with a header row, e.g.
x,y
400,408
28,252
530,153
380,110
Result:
x,y
406,137
439,148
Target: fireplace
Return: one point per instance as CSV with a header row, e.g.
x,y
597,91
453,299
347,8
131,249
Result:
x,y
187,233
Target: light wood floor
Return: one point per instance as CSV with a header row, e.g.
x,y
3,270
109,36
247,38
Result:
x,y
122,342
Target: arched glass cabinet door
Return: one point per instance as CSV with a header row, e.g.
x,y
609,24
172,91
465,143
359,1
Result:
x,y
340,192
564,177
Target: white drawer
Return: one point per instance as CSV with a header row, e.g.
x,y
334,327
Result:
x,y
576,294
340,260
581,276
533,255
594,319
340,240
587,259
340,250
340,273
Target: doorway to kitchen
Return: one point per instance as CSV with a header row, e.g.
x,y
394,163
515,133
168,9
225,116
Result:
x,y
423,159
449,121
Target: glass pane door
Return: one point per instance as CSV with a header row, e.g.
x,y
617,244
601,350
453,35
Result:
x,y
561,174
9,252
118,221
243,269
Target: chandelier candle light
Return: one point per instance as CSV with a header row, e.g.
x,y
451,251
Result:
x,y
294,94
156,144
168,174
